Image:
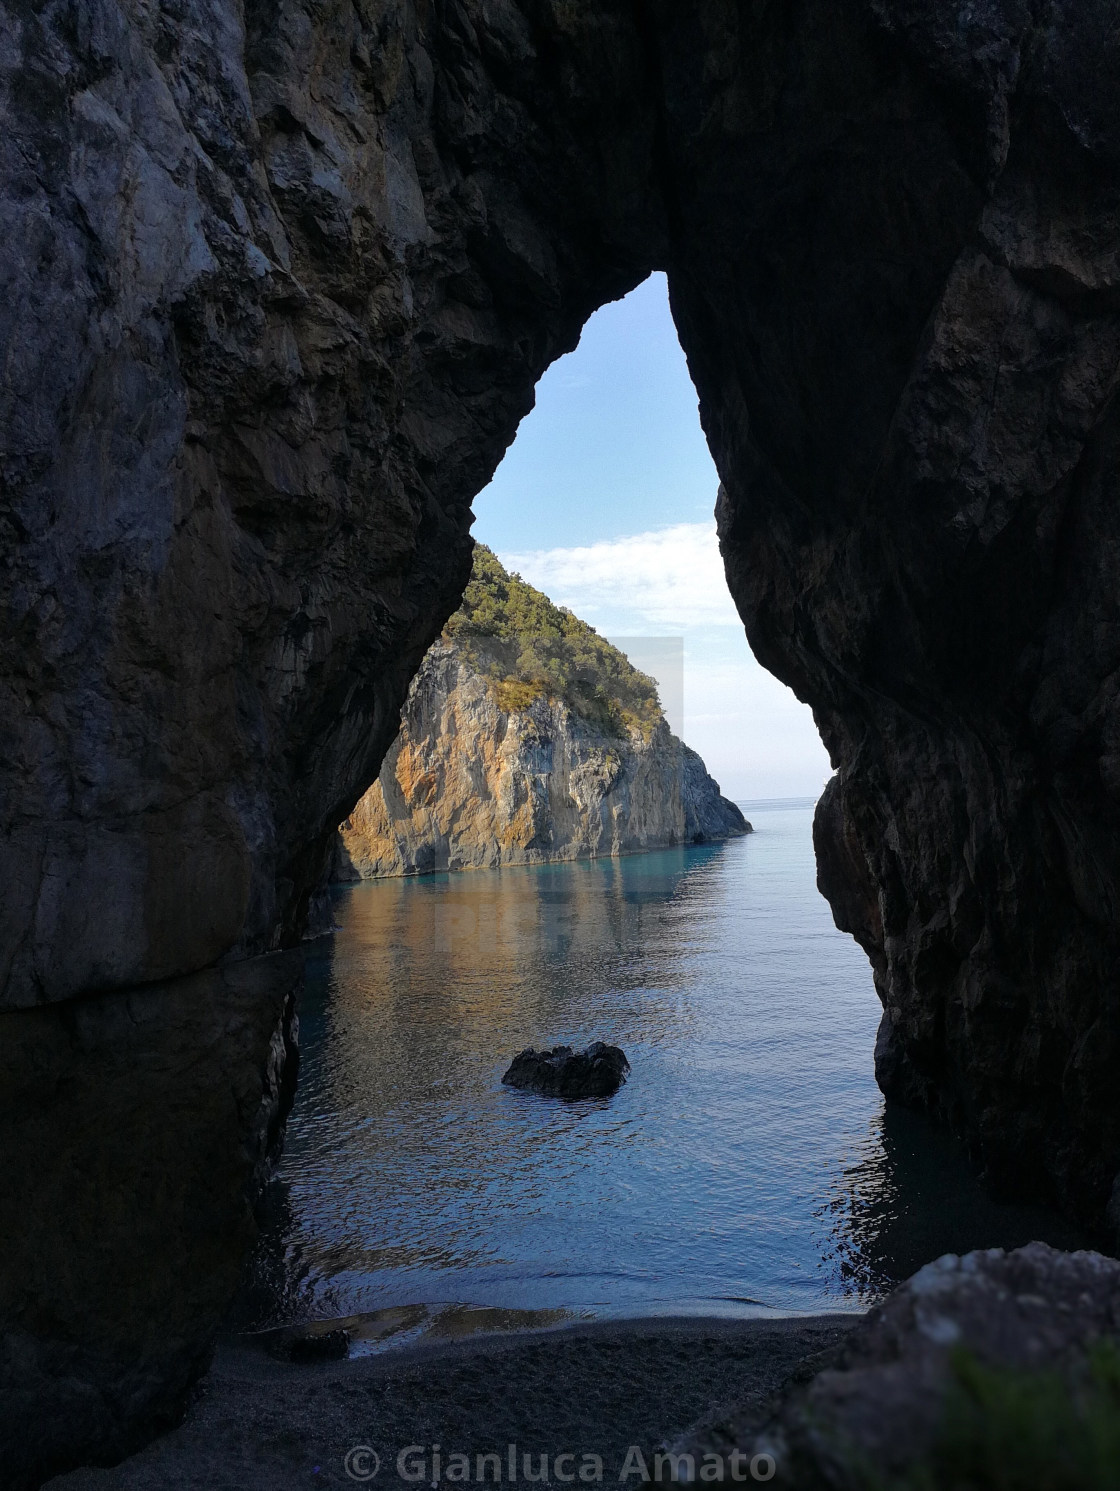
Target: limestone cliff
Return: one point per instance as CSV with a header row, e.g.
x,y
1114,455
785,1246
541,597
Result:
x,y
468,784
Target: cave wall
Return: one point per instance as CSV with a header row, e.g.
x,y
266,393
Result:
x,y
138,1130
278,282
913,409
277,285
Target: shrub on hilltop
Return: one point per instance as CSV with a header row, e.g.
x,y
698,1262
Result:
x,y
529,648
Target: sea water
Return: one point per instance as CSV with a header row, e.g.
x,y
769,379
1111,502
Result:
x,y
748,1165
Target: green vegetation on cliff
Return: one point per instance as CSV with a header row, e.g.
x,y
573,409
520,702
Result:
x,y
529,648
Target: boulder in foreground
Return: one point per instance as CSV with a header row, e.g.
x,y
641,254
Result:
x,y
563,1073
992,1369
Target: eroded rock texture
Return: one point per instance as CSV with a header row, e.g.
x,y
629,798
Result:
x,y
277,283
468,784
873,1409
596,1072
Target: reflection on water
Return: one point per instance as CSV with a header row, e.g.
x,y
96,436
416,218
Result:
x,y
746,1163
910,1198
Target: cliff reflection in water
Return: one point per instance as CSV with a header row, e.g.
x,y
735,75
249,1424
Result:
x,y
411,1176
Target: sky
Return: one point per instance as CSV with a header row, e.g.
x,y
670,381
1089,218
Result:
x,y
604,501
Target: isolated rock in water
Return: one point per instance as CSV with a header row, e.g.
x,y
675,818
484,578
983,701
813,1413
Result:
x,y
563,1073
883,1402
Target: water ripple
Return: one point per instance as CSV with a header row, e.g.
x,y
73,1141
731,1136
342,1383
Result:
x,y
748,1159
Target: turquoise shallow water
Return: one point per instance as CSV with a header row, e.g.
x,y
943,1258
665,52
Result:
x,y
749,1163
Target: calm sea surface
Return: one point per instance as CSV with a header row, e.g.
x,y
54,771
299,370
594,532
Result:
x,y
748,1164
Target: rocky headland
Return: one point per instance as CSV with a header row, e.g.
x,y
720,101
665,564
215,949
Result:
x,y
525,738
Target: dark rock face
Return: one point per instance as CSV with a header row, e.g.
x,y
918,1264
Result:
x,y
278,282
595,1072
708,814
915,421
878,1401
136,1130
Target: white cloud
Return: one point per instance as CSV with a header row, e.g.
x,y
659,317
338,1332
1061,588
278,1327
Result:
x,y
671,578
757,739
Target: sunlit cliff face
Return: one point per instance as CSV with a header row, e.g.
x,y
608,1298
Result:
x,y
473,781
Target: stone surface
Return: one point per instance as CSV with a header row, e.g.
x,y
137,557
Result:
x,y
136,1129
468,784
595,1072
278,280
320,1346
266,1425
871,1407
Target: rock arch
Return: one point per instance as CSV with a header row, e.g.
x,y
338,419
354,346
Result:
x,y
279,281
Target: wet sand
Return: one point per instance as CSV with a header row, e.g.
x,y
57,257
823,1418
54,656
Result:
x,y
260,1424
